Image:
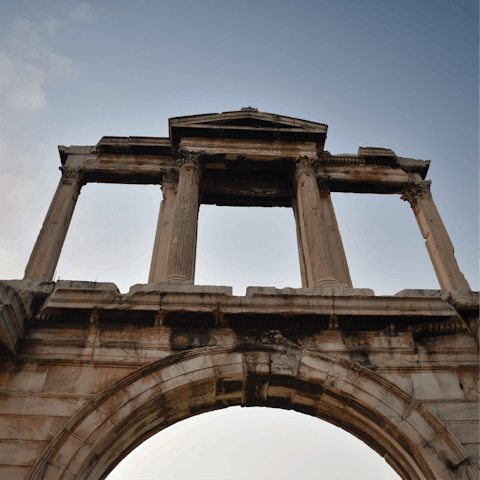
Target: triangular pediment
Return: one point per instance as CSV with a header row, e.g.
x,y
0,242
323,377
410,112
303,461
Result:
x,y
247,118
247,124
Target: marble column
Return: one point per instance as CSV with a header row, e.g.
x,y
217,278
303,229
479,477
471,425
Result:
x,y
164,227
321,243
180,267
439,246
46,252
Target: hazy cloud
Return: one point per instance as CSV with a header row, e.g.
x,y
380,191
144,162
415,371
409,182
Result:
x,y
28,65
85,13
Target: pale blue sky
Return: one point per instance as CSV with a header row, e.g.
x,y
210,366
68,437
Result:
x,y
399,75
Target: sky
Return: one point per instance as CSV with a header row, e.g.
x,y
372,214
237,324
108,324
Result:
x,y
379,73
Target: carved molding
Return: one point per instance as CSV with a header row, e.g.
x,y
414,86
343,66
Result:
x,y
415,190
186,158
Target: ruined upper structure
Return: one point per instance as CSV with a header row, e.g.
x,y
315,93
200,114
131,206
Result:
x,y
245,158
88,373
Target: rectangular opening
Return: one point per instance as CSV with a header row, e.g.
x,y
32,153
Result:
x,y
247,246
383,244
110,238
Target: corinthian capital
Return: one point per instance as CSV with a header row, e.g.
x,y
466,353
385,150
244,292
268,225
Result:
x,y
71,175
415,190
186,158
304,166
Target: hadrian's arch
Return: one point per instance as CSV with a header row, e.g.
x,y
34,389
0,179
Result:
x,y
88,373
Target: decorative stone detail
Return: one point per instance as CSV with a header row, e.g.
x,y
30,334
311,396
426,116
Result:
x,y
187,158
71,175
416,189
305,166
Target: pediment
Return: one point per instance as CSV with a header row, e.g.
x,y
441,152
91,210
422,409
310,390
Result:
x,y
248,118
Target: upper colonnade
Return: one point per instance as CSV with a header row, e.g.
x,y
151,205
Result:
x,y
245,158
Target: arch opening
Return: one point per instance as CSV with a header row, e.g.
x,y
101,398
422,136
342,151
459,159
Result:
x,y
412,441
254,442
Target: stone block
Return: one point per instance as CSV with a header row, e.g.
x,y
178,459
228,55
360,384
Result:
x,y
14,472
466,431
79,458
9,427
84,429
165,287
67,450
142,384
55,406
285,362
14,404
112,403
41,428
82,379
20,452
257,362
26,377
455,411
100,431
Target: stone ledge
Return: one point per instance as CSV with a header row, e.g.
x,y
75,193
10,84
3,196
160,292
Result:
x,y
180,288
459,299
337,291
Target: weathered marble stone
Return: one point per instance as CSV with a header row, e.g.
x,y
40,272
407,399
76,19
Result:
x,y
88,373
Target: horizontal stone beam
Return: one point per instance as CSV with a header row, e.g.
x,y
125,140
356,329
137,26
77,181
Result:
x,y
357,307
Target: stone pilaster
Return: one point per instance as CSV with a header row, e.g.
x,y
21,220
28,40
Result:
x,y
164,227
180,267
320,239
46,252
438,242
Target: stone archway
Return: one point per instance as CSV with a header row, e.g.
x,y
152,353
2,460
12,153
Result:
x,y
413,441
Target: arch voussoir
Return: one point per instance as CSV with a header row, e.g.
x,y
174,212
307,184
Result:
x,y
362,402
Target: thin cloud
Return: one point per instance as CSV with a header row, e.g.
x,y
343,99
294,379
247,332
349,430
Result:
x,y
29,65
84,13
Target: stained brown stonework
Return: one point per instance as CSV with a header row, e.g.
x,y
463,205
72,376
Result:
x,y
88,373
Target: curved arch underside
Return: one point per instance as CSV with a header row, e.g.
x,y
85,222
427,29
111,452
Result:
x,y
412,440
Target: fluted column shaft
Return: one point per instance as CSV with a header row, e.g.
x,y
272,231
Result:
x,y
438,243
181,252
46,252
164,228
322,245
